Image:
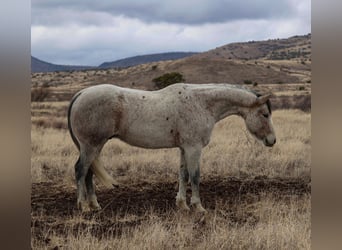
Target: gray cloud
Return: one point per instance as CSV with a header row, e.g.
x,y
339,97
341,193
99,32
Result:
x,y
176,11
89,33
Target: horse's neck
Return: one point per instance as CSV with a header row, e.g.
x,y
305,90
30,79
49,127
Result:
x,y
226,101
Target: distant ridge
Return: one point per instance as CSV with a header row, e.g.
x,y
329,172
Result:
x,y
136,60
295,50
38,65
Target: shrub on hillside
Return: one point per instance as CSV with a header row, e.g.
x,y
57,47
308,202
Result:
x,y
248,82
168,79
302,102
51,122
39,94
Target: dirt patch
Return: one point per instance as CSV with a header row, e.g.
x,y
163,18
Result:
x,y
54,206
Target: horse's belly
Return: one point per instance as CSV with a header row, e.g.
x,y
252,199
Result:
x,y
149,127
149,139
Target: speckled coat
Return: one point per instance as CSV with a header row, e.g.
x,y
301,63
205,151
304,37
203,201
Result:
x,y
181,115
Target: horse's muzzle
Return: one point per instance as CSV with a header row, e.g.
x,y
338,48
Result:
x,y
269,141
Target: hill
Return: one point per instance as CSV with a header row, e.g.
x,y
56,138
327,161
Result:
x,y
281,51
136,60
273,64
293,48
38,65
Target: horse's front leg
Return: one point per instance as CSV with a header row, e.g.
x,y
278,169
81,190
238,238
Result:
x,y
183,181
192,157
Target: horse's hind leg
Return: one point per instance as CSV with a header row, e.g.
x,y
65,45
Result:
x,y
93,204
87,155
80,189
92,200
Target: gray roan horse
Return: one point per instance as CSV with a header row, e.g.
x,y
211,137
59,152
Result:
x,y
180,115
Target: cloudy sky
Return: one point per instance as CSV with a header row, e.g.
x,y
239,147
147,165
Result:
x,y
87,32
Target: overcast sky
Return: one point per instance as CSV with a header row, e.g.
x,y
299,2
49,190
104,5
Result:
x,y
87,32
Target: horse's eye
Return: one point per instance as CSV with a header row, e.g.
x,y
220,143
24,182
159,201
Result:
x,y
265,115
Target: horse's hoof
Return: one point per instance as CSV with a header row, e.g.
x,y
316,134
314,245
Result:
x,y
94,207
83,206
200,209
181,204
116,184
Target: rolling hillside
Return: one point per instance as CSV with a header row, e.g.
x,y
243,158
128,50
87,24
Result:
x,y
38,65
277,62
293,48
136,60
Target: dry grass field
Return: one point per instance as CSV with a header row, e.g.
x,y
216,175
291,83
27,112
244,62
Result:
x,y
257,197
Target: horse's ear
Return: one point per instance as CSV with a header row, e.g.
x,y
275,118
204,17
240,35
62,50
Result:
x,y
263,99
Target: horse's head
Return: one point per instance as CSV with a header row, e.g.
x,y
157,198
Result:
x,y
258,119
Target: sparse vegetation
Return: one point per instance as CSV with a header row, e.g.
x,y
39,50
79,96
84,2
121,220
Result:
x,y
55,123
168,79
39,94
302,102
248,82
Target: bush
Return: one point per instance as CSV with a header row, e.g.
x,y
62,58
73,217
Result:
x,y
302,102
168,79
50,122
247,82
39,94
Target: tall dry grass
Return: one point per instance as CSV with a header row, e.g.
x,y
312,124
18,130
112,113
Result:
x,y
269,221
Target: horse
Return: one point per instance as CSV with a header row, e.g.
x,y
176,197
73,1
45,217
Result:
x,y
181,115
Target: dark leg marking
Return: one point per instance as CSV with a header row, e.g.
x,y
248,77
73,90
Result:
x,y
184,174
195,177
89,182
78,169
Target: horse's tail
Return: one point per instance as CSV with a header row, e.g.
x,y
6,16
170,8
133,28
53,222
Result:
x,y
101,173
69,124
